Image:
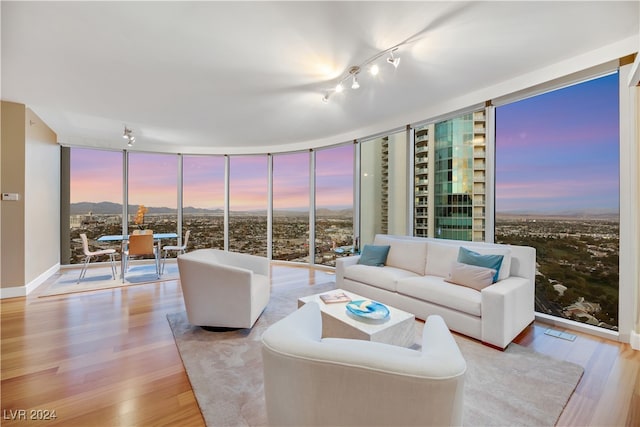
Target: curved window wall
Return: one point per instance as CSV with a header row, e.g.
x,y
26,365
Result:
x,y
248,204
152,192
558,190
290,235
333,203
453,167
95,194
450,178
383,186
203,200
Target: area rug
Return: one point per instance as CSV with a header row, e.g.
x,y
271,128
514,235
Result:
x,y
101,278
517,387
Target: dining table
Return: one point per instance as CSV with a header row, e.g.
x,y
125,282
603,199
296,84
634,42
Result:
x,y
124,237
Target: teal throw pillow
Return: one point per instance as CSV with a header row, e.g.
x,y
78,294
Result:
x,y
375,255
467,256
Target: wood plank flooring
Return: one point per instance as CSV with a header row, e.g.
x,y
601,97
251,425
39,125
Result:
x,y
108,358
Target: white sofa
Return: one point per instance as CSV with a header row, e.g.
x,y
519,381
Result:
x,y
224,289
310,381
414,279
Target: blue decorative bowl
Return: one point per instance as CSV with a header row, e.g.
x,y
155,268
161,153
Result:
x,y
371,310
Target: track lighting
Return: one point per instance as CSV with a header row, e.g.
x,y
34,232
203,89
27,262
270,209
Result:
x,y
128,135
354,70
392,60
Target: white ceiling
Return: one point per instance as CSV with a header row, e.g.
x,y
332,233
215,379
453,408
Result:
x,y
241,77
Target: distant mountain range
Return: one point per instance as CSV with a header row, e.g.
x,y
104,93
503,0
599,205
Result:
x,y
601,214
109,208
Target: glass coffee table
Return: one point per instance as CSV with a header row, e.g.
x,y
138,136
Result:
x,y
398,328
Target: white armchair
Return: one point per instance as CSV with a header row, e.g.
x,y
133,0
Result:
x,y
334,381
224,289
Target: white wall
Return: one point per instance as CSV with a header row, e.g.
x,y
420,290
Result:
x,y
42,199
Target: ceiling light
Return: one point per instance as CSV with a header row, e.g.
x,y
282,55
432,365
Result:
x,y
353,71
128,135
392,60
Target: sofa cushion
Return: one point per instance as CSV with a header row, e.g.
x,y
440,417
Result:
x,y
492,261
471,276
381,277
405,254
375,255
489,249
435,290
439,258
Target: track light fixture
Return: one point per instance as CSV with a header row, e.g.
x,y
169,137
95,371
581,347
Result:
x,y
392,60
128,135
353,71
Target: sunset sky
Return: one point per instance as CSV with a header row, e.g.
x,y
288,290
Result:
x,y
97,176
554,152
559,151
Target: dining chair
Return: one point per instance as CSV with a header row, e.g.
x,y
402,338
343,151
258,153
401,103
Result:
x,y
88,254
141,245
178,249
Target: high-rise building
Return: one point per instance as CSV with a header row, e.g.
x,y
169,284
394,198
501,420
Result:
x,y
450,163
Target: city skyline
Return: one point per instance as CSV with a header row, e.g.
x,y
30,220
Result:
x,y
556,152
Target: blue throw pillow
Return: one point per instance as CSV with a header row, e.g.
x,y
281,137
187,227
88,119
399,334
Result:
x,y
467,256
375,255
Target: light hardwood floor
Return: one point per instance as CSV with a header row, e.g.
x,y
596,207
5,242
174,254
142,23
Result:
x,y
108,358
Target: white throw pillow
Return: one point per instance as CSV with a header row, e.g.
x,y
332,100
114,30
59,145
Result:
x,y
439,258
410,255
470,276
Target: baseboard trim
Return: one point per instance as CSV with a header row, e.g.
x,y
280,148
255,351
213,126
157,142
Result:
x,y
577,326
13,292
634,340
23,291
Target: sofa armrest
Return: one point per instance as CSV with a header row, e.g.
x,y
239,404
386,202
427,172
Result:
x,y
342,264
507,308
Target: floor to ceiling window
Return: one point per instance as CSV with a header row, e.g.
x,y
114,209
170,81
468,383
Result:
x,y
383,186
248,204
96,199
290,235
334,203
203,201
557,189
450,179
153,193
